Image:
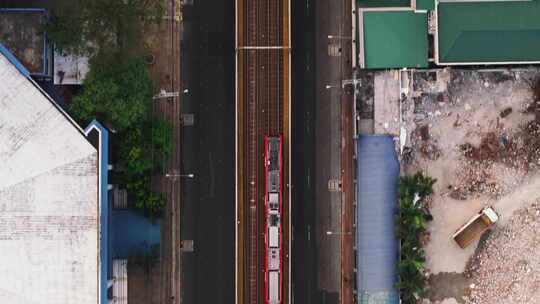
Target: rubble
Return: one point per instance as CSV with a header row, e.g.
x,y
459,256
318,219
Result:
x,y
478,133
507,267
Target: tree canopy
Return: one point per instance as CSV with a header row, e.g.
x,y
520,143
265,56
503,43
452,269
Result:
x,y
91,26
117,90
412,190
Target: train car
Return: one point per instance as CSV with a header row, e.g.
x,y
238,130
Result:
x,y
273,161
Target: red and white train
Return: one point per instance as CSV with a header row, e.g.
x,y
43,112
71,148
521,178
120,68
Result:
x,y
273,160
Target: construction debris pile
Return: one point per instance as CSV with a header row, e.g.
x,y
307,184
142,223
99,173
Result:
x,y
506,268
478,134
498,136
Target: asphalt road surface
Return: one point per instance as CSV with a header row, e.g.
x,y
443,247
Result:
x,y
317,149
304,262
207,214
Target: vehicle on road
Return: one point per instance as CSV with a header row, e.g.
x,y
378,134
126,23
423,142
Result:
x,y
273,164
477,225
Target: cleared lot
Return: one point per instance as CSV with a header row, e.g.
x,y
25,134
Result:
x,y
477,133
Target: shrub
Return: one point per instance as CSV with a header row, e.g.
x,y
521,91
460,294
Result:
x,y
148,201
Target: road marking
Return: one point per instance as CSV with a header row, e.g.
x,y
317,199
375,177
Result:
x,y
309,233
212,176
308,120
308,177
263,47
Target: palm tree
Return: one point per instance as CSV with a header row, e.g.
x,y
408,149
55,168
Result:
x,y
409,227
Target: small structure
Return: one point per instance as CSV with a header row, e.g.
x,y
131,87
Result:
x,y
376,243
21,31
392,33
69,69
395,39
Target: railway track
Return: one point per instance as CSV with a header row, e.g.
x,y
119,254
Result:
x,y
261,53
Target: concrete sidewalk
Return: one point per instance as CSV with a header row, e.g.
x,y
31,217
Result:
x,y
333,65
163,43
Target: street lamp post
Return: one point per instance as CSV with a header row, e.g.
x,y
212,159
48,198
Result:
x,y
339,37
328,86
190,175
337,233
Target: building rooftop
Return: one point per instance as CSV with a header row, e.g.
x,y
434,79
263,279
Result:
x,y
21,33
394,39
486,32
377,246
399,34
384,3
49,219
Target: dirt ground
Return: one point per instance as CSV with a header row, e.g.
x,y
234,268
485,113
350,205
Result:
x,y
143,284
476,133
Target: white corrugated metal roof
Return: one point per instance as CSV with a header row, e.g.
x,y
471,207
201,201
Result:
x,y
120,285
48,200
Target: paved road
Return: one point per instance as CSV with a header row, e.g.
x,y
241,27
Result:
x,y
208,150
304,263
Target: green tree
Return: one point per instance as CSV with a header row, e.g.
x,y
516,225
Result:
x,y
116,89
148,201
93,26
412,280
66,33
146,146
409,227
162,141
409,185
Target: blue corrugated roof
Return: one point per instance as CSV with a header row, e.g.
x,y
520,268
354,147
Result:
x,y
377,246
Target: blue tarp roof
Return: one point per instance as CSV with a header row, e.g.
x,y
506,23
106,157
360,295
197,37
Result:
x,y
131,230
377,246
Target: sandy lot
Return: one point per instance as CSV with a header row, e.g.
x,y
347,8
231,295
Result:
x,y
472,132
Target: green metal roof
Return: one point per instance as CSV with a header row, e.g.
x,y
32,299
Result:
x,y
383,3
489,31
425,4
395,39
